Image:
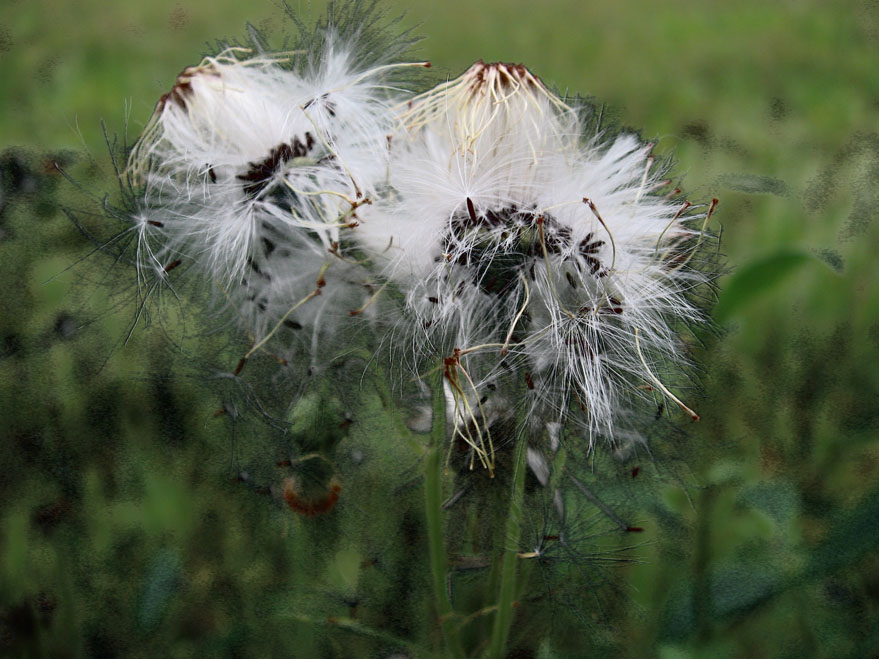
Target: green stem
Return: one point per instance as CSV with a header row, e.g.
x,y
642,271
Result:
x,y
433,496
355,627
498,545
504,616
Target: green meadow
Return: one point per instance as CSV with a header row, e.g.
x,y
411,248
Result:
x,y
126,526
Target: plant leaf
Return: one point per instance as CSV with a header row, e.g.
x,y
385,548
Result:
x,y
756,279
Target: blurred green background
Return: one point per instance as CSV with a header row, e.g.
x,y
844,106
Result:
x,y
123,528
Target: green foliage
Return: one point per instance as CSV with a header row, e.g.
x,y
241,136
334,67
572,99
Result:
x,y
756,280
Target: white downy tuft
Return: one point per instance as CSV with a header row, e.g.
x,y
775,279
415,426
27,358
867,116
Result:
x,y
522,255
255,170
529,253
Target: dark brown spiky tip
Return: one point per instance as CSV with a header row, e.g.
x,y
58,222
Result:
x,y
503,73
182,88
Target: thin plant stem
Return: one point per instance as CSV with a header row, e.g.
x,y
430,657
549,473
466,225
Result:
x,y
497,556
433,497
354,627
504,616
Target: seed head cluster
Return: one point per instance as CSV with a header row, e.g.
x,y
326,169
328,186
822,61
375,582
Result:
x,y
486,228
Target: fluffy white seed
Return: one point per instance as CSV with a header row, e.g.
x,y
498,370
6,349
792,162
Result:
x,y
529,252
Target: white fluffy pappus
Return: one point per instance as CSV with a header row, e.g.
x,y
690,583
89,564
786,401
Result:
x,y
255,167
533,254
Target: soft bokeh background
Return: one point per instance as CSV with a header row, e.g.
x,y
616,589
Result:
x,y
123,529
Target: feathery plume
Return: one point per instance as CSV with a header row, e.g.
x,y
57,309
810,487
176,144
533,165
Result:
x,y
530,250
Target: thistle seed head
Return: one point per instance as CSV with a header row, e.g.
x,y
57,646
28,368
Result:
x,y
535,254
